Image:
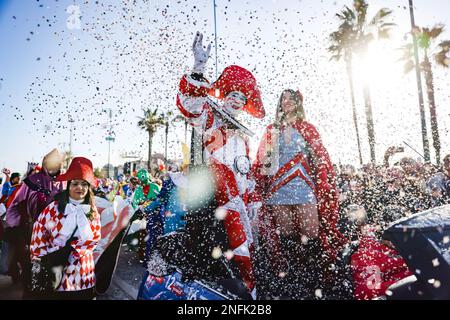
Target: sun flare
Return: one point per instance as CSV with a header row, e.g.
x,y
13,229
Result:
x,y
381,67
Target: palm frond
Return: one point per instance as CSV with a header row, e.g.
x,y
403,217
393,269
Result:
x,y
445,45
436,31
408,66
336,56
442,57
379,16
361,13
384,33
150,121
346,14
407,52
178,118
387,25
423,39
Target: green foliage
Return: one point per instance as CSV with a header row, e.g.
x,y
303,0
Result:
x,y
354,33
425,39
98,173
151,120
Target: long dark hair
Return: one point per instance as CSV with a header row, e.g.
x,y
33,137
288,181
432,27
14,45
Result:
x,y
299,110
63,198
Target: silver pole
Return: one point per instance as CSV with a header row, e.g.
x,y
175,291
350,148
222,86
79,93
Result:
x,y
71,134
215,33
109,143
426,145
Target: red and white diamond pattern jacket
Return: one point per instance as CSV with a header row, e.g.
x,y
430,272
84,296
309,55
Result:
x,y
79,271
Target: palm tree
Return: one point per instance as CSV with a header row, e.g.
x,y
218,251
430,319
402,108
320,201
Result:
x,y
168,120
425,39
182,118
353,36
150,122
68,156
341,48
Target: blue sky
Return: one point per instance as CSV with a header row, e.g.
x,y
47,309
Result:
x,y
127,56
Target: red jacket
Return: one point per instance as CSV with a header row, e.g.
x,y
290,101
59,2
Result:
x,y
12,196
375,267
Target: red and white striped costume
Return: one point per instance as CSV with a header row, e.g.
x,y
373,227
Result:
x,y
221,147
79,271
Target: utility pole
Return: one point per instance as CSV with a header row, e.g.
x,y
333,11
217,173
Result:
x,y
215,32
109,138
165,146
71,134
68,153
426,145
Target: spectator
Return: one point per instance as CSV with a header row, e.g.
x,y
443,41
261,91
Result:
x,y
166,213
376,265
11,183
131,187
438,186
66,234
37,192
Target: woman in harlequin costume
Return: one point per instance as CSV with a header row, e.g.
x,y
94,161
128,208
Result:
x,y
69,227
225,148
296,181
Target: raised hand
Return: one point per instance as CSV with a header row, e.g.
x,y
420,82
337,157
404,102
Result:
x,y
200,54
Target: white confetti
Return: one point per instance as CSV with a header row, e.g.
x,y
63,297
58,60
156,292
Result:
x,y
216,253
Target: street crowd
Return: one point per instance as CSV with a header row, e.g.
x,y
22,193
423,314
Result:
x,y
276,227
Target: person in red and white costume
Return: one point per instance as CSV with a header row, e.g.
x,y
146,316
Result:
x,y
296,182
69,226
225,147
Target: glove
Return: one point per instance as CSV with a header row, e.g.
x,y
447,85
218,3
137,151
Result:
x,y
59,257
253,209
200,55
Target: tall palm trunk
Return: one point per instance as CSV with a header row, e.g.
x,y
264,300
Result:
x,y
348,60
150,138
426,66
369,117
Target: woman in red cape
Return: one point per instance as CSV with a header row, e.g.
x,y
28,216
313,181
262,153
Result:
x,y
295,181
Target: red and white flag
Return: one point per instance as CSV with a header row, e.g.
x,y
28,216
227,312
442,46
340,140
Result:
x,y
114,217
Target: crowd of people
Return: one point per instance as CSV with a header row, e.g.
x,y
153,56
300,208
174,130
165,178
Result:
x,y
371,198
389,192
49,217
278,226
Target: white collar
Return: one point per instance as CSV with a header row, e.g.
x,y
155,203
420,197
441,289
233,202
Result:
x,y
75,202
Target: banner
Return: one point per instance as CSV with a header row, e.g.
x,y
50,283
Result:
x,y
114,217
171,287
115,221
